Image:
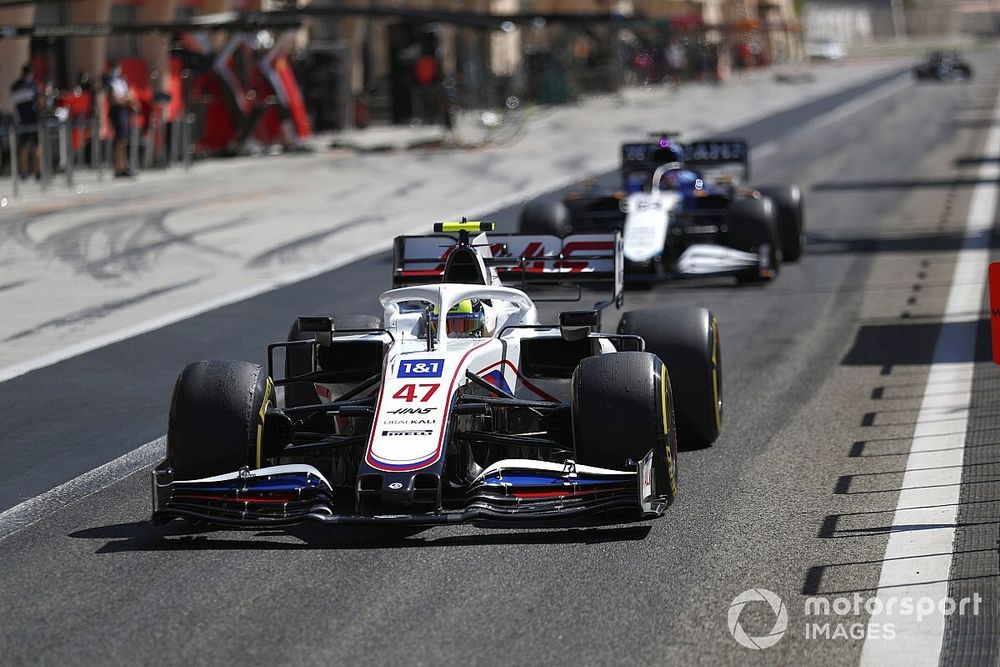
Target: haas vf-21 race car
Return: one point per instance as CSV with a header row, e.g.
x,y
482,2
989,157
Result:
x,y
456,404
684,211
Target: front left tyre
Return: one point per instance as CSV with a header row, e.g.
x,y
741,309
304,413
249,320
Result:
x,y
623,409
790,218
752,226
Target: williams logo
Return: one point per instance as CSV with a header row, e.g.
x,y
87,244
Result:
x,y
780,618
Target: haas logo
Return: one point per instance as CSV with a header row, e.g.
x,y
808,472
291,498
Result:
x,y
411,411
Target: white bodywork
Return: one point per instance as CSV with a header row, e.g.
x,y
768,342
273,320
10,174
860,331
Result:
x,y
418,385
647,223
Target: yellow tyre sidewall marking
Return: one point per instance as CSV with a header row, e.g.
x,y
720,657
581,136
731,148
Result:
x,y
671,475
716,408
268,390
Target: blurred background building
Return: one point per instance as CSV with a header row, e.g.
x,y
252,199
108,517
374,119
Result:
x,y
269,71
357,61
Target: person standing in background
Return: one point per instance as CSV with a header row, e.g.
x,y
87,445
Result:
x,y
24,99
121,103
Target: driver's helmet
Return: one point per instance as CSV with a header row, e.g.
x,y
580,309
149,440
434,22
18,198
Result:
x,y
466,319
680,179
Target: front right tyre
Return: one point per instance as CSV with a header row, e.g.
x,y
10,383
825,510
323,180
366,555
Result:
x,y
216,418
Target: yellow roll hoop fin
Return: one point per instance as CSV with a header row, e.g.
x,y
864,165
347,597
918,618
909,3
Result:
x,y
463,226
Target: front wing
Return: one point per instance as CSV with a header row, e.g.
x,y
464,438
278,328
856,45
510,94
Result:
x,y
510,490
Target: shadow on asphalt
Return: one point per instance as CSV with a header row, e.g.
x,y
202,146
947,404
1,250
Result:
x,y
897,184
973,160
890,345
823,244
813,582
181,536
974,123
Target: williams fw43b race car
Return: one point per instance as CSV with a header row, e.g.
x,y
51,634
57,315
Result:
x,y
457,404
684,211
943,66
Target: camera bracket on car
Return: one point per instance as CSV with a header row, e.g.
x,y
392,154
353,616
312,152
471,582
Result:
x,y
575,325
320,326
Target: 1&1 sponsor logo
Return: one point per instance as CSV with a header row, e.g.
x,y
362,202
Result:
x,y
420,368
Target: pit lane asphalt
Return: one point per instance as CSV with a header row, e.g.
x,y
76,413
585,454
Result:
x,y
94,584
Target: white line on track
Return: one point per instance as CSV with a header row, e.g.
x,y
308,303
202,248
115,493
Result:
x,y
919,553
32,511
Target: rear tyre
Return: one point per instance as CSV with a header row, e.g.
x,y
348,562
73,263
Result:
x,y
298,359
790,217
546,217
687,340
622,409
751,226
217,418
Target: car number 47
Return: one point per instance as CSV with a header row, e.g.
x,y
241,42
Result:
x,y
409,392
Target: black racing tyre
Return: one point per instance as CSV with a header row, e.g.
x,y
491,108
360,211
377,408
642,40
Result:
x,y
790,216
298,360
216,418
751,226
548,217
622,409
687,340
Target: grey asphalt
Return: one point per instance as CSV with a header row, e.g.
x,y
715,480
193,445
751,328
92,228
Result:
x,y
795,497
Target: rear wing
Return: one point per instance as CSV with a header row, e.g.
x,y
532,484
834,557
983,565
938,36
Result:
x,y
515,260
719,153
640,160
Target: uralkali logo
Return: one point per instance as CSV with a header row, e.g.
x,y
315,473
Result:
x,y
780,618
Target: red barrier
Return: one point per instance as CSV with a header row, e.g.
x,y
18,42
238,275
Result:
x,y
995,309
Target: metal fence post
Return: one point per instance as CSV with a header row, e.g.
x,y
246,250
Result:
x,y
133,143
96,154
68,134
175,140
62,143
150,142
186,140
15,167
45,152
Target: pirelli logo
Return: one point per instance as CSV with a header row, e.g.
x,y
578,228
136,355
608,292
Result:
x,y
406,433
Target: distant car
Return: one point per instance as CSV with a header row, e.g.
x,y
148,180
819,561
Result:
x,y
825,49
685,211
943,66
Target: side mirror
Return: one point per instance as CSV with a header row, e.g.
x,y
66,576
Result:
x,y
576,325
320,327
